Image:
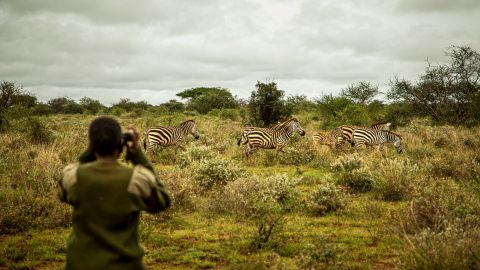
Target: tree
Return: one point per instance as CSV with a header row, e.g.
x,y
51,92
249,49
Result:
x,y
447,93
91,105
173,105
360,93
267,105
8,92
205,99
64,105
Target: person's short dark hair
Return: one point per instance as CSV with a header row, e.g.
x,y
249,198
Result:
x,y
105,136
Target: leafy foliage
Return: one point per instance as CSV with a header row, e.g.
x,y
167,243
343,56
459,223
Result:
x,y
267,105
205,99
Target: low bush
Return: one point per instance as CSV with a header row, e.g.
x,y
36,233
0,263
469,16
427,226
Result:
x,y
454,248
213,173
437,203
395,179
352,173
38,133
322,255
261,201
23,210
326,198
194,154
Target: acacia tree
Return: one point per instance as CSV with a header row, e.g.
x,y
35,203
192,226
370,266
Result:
x,y
267,105
360,93
448,93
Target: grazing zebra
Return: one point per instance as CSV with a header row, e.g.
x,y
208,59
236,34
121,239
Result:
x,y
169,135
329,138
271,138
381,126
246,130
368,136
346,132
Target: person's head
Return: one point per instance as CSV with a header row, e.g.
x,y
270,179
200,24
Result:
x,y
105,137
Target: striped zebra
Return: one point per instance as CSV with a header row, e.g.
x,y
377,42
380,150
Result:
x,y
246,130
169,135
328,138
345,132
368,136
381,126
271,138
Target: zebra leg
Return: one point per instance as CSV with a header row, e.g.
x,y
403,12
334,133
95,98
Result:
x,y
279,149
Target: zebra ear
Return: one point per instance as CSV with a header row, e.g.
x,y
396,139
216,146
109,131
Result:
x,y
388,124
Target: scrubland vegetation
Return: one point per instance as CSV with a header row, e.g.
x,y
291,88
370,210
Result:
x,y
308,208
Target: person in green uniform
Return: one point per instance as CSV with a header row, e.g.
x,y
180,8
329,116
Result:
x,y
107,198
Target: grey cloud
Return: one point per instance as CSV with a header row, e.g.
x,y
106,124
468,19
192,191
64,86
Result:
x,y
111,49
437,5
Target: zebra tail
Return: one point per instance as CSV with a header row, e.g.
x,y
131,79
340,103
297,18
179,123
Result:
x,y
239,141
145,143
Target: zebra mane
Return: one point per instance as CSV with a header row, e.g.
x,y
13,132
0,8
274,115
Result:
x,y
380,123
286,123
186,122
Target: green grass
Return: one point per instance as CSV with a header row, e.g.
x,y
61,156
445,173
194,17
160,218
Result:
x,y
363,235
198,240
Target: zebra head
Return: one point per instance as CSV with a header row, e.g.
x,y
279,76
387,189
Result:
x,y
297,128
190,127
194,131
398,144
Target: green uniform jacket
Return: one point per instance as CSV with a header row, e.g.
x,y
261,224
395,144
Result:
x,y
107,198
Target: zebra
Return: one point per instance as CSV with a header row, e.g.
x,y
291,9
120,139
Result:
x,y
271,138
368,136
246,130
345,132
381,126
328,138
169,135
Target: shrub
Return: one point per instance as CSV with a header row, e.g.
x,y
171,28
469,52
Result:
x,y
395,180
296,156
23,210
262,201
437,203
326,198
455,248
215,172
322,255
38,132
232,114
181,189
194,154
353,174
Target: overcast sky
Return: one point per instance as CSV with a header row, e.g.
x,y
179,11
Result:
x,y
150,50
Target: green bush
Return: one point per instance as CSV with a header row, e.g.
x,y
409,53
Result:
x,y
395,179
437,203
194,154
261,201
38,132
352,173
326,198
455,248
213,173
23,210
321,255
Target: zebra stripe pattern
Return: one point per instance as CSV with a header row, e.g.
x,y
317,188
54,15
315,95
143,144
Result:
x,y
246,130
269,138
346,132
368,136
169,135
381,126
326,138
